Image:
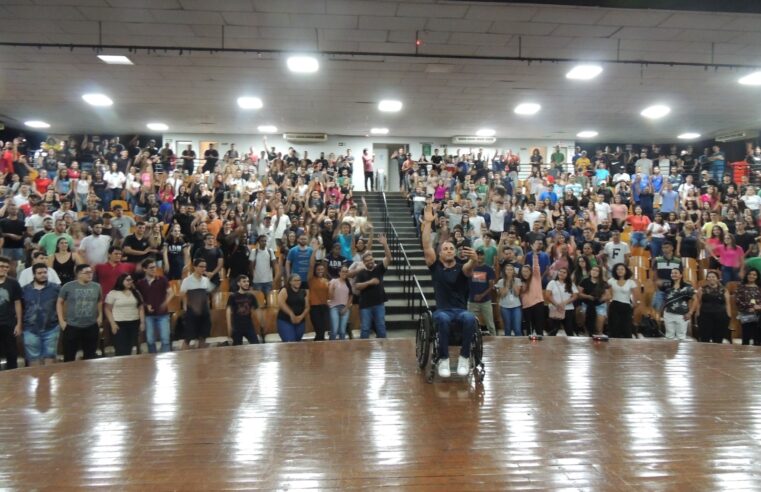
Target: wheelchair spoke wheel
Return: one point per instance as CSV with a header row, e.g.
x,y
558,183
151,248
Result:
x,y
423,343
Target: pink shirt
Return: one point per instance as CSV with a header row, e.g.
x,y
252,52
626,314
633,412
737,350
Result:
x,y
729,257
534,294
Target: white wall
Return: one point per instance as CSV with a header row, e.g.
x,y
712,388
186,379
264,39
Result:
x,y
338,145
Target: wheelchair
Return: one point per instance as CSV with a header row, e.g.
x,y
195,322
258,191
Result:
x,y
427,348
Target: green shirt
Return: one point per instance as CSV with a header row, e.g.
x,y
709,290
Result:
x,y
754,263
558,158
489,253
49,240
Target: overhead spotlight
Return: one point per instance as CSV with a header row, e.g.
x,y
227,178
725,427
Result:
x,y
751,79
656,111
485,132
158,127
36,124
246,102
587,134
584,72
266,128
115,60
527,108
303,64
689,136
379,131
97,100
390,106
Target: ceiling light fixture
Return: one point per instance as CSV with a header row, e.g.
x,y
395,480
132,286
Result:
x,y
158,127
100,100
587,134
246,102
656,111
390,106
689,136
266,128
303,64
379,131
115,59
36,124
584,72
751,79
485,132
527,108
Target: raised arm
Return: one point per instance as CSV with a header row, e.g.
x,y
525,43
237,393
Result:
x,y
428,251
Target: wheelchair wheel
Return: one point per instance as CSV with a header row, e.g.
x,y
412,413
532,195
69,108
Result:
x,y
476,357
423,342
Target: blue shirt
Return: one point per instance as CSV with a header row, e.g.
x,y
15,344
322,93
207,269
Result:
x,y
657,180
548,194
39,307
544,260
479,281
669,201
299,259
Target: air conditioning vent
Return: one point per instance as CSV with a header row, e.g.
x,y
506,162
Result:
x,y
305,137
465,140
739,135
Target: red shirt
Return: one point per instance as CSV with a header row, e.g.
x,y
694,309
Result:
x,y
107,275
154,294
6,162
639,223
42,184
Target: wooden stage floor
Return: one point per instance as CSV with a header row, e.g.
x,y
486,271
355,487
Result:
x,y
560,414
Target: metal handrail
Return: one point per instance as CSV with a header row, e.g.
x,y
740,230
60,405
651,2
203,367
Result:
x,y
403,268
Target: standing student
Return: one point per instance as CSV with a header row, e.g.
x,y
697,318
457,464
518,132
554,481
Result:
x,y
11,314
480,287
508,293
679,306
624,295
595,293
532,298
730,256
126,314
372,295
195,289
41,330
339,302
292,303
317,283
157,294
560,295
748,298
83,315
713,301
240,305
263,267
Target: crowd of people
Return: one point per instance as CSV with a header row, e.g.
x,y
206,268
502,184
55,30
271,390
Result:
x,y
581,244
100,239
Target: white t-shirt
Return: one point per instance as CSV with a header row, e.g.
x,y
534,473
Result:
x,y
532,217
753,202
510,300
560,295
602,210
123,305
26,277
622,293
616,253
263,265
95,249
35,222
658,231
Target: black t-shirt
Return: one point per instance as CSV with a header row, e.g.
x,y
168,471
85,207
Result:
x,y
211,156
436,159
133,242
375,294
122,165
184,220
593,289
334,264
10,292
450,286
10,226
211,256
241,305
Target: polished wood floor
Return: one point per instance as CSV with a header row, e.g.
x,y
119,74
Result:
x,y
557,414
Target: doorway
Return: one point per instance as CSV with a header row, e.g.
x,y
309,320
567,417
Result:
x,y
389,179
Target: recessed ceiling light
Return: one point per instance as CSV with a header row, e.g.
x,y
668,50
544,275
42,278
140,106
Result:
x,y
303,64
527,108
751,79
36,124
584,72
485,132
379,131
158,127
97,99
115,59
390,106
267,128
587,134
656,111
689,136
246,102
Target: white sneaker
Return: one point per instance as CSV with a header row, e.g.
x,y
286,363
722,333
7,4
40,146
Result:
x,y
444,371
463,366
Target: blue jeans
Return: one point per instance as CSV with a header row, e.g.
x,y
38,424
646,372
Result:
x,y
656,246
659,298
157,324
729,274
447,319
290,332
338,322
39,345
265,287
511,319
369,315
638,239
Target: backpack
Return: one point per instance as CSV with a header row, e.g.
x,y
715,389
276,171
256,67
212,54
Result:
x,y
649,328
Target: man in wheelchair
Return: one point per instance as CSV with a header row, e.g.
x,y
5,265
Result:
x,y
450,285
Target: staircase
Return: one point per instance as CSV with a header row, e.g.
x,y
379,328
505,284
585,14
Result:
x,y
399,315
